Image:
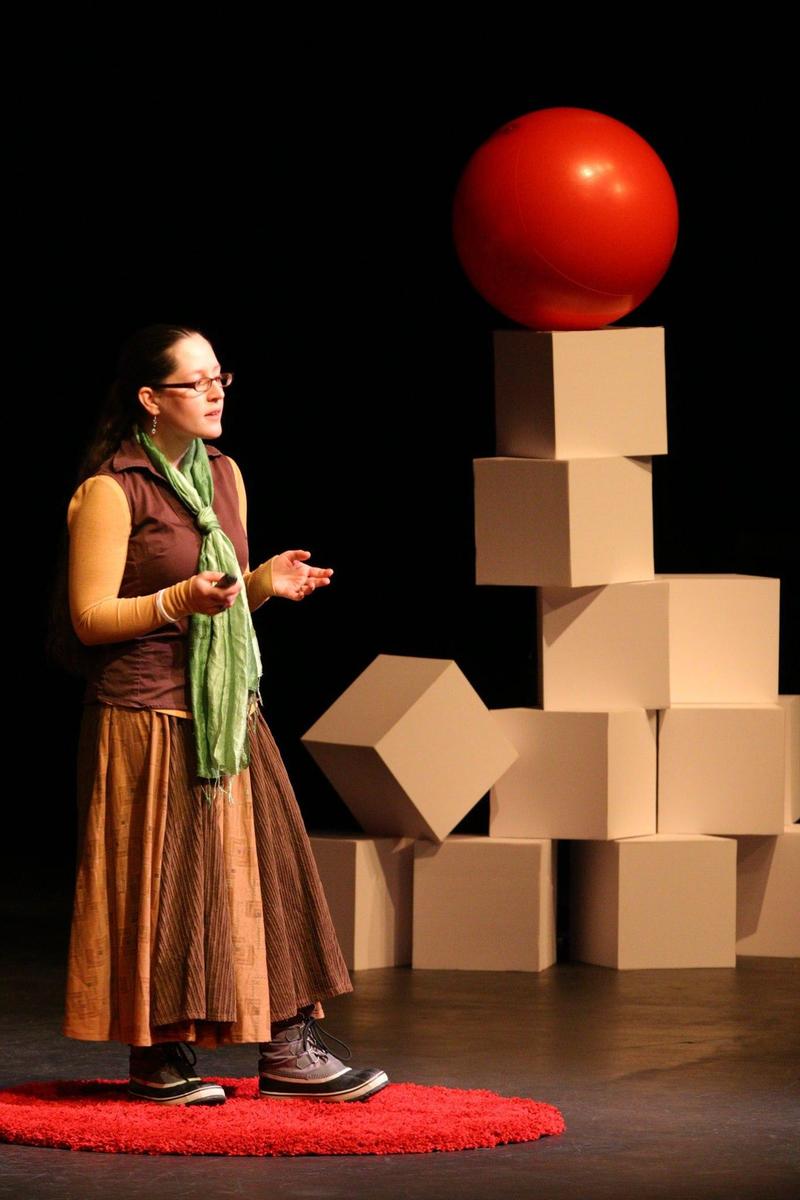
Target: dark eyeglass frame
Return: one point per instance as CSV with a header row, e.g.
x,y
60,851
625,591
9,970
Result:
x,y
200,385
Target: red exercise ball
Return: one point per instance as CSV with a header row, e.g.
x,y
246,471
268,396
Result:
x,y
565,219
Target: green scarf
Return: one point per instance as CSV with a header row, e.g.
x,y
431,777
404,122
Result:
x,y
224,662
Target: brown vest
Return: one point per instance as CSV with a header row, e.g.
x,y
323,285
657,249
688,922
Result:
x,y
163,548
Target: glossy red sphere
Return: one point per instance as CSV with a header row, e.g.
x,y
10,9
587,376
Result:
x,y
565,219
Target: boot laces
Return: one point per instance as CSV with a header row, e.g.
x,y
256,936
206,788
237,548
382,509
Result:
x,y
314,1043
178,1055
181,1056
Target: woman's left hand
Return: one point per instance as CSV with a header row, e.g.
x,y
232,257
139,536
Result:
x,y
294,578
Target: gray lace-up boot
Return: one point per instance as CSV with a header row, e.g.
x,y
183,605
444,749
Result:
x,y
298,1065
165,1074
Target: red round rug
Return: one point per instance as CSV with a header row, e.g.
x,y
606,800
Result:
x,y
404,1118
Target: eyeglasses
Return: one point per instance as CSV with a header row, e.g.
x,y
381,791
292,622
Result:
x,y
200,385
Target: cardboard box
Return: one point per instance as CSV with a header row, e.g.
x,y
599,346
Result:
x,y
721,769
484,904
580,393
674,639
410,747
583,522
768,895
578,775
657,901
369,885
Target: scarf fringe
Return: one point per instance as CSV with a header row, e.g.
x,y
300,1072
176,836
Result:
x,y
224,784
214,787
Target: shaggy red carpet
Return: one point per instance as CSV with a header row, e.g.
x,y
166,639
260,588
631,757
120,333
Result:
x,y
402,1119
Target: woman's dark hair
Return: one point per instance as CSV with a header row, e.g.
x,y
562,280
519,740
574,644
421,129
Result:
x,y
146,358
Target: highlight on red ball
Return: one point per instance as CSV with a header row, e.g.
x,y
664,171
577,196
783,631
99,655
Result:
x,y
565,219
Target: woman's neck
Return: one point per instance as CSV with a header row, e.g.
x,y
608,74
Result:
x,y
172,446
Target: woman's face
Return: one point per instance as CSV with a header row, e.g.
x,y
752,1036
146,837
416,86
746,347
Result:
x,y
184,413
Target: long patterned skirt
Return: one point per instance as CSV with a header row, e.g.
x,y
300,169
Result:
x,y
192,922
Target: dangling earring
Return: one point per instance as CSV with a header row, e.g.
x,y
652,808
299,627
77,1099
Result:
x,y
154,426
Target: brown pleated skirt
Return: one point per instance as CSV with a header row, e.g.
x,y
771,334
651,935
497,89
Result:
x,y
191,922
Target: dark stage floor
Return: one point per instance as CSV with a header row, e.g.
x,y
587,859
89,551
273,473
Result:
x,y
672,1083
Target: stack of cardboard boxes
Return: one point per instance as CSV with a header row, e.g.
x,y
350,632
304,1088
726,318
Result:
x,y
661,749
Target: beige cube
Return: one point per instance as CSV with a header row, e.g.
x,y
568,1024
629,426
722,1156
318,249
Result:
x,y
578,775
586,521
485,904
580,393
657,901
720,769
768,895
791,794
368,883
674,639
410,747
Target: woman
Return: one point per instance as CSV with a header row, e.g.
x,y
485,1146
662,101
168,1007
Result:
x,y
199,916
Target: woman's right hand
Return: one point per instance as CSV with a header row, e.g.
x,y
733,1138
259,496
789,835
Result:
x,y
206,597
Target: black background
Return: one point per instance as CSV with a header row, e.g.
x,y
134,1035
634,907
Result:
x,y
302,221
